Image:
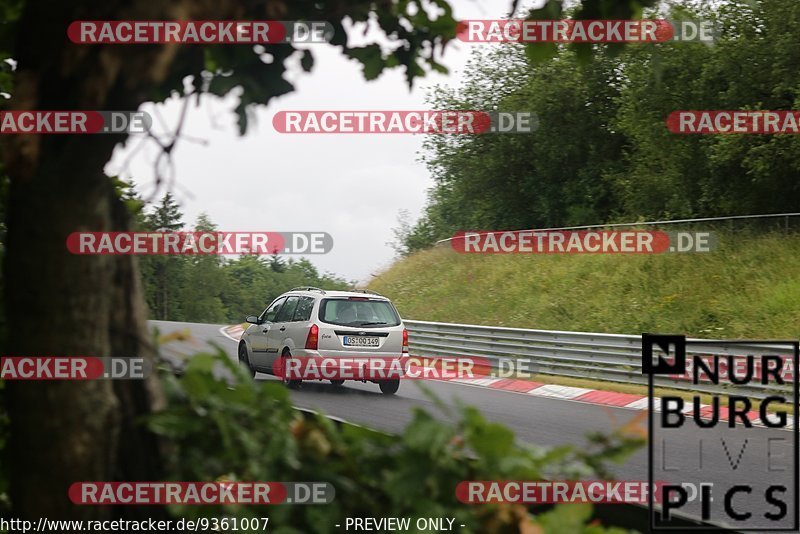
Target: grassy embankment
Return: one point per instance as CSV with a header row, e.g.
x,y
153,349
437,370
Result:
x,y
749,287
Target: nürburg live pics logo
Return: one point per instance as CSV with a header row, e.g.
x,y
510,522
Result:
x,y
723,433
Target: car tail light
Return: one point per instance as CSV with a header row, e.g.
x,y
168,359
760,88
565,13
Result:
x,y
405,340
313,337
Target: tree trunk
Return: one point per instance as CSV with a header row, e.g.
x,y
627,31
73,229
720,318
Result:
x,y
62,304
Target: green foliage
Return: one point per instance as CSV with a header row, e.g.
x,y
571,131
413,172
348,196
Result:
x,y
418,37
602,152
413,34
211,288
251,283
553,176
167,216
164,275
238,429
707,175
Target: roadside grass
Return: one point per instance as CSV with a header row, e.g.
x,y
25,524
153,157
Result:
x,y
749,287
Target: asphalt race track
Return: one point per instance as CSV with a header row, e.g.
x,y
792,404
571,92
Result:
x,y
538,420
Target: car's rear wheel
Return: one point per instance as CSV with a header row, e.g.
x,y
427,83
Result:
x,y
389,387
244,360
337,382
292,384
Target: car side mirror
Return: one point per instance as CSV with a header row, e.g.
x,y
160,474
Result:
x,y
252,319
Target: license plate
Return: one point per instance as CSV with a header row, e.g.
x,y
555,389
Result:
x,y
360,341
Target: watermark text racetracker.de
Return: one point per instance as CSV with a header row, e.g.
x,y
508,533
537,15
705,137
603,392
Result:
x,y
199,243
199,32
452,122
581,242
74,122
200,493
376,368
201,524
586,31
734,122
73,368
556,491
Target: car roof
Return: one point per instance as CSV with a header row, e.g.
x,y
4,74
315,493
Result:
x,y
336,294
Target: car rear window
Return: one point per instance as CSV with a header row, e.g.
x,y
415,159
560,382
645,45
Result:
x,y
358,311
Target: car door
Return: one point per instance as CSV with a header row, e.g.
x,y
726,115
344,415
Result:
x,y
259,336
297,327
277,332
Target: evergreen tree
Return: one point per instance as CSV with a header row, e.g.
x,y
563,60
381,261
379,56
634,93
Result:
x,y
203,283
167,271
167,217
277,264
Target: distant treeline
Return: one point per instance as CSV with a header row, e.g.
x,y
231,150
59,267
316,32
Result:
x,y
212,288
602,151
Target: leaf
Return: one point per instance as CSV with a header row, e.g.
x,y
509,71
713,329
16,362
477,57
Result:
x,y
565,518
540,52
551,10
426,434
307,61
371,57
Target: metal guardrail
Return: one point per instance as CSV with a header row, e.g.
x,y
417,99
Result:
x,y
731,219
586,355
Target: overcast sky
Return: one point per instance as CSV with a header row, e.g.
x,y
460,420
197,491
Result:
x,y
349,185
